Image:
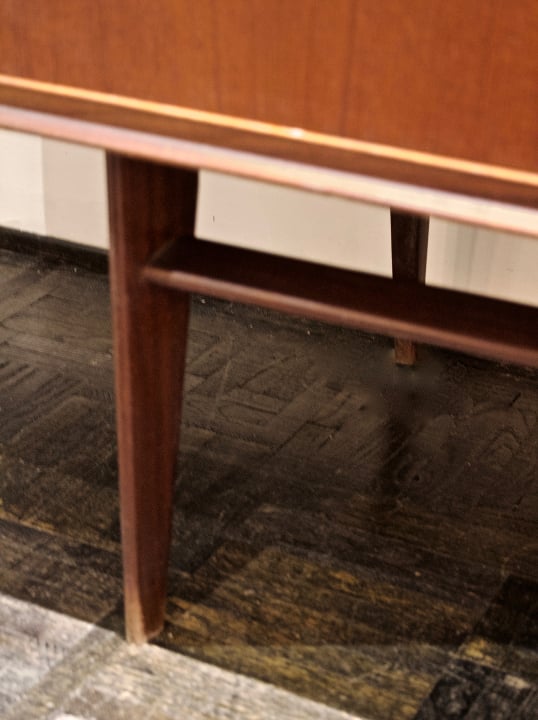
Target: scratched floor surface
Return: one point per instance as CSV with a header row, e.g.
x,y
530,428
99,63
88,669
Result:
x,y
361,536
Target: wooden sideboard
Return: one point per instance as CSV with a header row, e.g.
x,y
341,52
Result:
x,y
426,106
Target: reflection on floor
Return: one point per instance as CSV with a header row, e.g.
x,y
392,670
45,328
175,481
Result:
x,y
361,535
56,667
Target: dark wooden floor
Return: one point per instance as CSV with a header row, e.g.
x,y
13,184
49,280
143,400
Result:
x,y
360,534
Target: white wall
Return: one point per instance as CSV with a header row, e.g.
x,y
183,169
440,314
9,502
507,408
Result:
x,y
21,182
74,191
295,223
52,188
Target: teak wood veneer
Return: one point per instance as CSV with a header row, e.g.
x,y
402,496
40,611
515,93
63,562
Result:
x,y
425,106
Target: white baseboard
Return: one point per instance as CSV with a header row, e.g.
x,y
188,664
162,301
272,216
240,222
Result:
x,y
58,189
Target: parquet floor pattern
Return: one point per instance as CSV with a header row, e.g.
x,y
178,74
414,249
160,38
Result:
x,y
362,535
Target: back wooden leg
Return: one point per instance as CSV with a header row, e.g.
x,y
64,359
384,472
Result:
x,y
148,205
409,241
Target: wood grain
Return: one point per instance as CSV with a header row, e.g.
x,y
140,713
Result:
x,y
482,326
384,71
304,81
409,250
357,535
148,203
480,180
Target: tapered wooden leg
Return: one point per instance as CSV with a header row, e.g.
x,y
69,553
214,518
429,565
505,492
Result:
x,y
409,241
149,204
